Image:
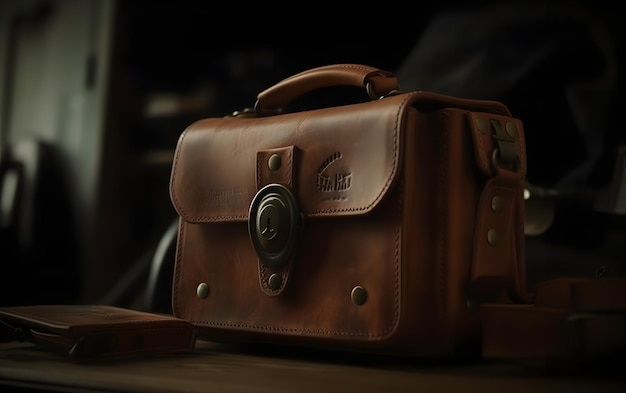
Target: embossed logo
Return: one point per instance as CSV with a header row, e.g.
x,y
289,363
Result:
x,y
225,196
332,178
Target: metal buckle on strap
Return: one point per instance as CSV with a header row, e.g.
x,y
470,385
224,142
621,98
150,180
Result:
x,y
505,152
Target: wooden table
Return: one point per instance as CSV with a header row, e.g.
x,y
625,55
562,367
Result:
x,y
213,368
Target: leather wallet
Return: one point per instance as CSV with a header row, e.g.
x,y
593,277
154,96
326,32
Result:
x,y
96,332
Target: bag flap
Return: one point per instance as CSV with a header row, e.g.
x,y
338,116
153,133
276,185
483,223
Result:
x,y
344,160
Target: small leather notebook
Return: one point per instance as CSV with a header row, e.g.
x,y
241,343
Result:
x,y
96,332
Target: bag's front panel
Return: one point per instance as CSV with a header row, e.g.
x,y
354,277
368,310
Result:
x,y
335,257
343,283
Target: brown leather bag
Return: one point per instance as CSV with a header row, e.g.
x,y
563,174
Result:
x,y
373,226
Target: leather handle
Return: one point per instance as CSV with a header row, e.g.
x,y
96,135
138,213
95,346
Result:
x,y
377,82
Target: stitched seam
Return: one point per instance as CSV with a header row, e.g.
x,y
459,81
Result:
x,y
259,157
290,167
443,212
175,171
481,143
178,267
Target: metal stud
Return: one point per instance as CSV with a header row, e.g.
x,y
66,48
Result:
x,y
275,281
274,162
492,237
496,203
202,290
511,129
358,295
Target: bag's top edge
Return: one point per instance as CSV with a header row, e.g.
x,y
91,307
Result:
x,y
344,160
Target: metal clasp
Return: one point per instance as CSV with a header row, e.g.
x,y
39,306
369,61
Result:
x,y
274,223
505,152
245,112
372,94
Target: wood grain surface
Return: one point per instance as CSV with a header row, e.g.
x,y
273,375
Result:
x,y
212,368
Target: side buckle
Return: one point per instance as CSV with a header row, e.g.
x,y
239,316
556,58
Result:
x,y
505,152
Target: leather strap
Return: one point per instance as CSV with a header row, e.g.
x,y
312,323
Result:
x,y
572,319
583,294
497,268
275,166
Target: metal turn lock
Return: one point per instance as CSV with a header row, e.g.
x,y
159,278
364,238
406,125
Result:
x,y
273,224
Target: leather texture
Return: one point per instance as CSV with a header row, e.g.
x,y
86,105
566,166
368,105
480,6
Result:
x,y
96,332
410,210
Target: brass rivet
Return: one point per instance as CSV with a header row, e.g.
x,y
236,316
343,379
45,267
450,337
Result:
x,y
496,203
511,129
358,295
492,237
275,281
202,290
274,162
483,126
